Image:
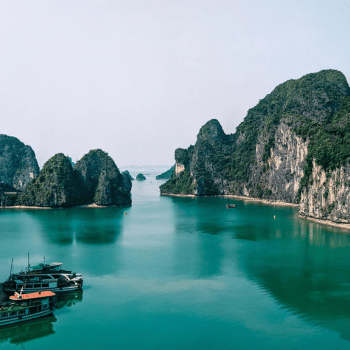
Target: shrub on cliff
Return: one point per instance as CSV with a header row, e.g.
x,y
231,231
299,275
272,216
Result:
x,y
167,174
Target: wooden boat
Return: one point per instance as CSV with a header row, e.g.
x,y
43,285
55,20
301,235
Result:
x,y
24,307
228,206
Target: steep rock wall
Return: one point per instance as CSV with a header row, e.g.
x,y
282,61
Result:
x,y
104,183
270,155
286,164
18,164
328,195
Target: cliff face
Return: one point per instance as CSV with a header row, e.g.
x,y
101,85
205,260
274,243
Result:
x,y
293,139
127,178
102,179
18,164
57,185
328,194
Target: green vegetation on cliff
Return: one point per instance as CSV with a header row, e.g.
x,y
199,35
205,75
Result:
x,y
95,179
316,107
57,185
329,145
314,98
179,185
18,164
167,174
102,179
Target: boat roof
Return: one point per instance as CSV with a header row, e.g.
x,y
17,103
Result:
x,y
36,295
41,265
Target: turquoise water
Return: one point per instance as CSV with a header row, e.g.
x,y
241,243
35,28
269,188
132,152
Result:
x,y
177,273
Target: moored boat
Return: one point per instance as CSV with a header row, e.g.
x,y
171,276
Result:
x,y
55,282
43,277
24,307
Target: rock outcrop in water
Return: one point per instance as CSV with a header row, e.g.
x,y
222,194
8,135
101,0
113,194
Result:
x,y
94,179
18,164
102,180
57,185
140,177
294,146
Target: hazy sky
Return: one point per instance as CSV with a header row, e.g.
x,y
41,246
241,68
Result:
x,y
139,78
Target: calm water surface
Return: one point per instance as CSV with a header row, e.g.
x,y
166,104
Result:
x,y
177,273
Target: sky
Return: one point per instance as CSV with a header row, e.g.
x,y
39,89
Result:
x,y
139,78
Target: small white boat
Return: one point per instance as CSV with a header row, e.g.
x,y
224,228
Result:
x,y
228,206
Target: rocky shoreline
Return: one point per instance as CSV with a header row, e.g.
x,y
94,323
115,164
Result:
x,y
326,222
271,203
93,205
243,198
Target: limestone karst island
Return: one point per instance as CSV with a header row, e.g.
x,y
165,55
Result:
x,y
292,147
94,179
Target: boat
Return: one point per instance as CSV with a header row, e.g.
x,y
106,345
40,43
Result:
x,y
43,277
24,307
228,206
55,282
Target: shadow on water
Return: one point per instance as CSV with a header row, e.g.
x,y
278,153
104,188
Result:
x,y
21,333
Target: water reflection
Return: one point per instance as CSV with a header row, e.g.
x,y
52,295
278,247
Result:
x,y
21,333
304,265
306,269
205,252
39,328
86,225
69,300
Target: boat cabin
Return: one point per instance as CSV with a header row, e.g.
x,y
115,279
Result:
x,y
21,307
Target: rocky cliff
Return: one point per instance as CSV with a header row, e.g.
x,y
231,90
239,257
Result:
x,y
94,179
57,185
18,164
293,146
102,180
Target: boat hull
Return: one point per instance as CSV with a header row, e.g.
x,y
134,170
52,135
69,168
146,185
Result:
x,y
23,318
56,290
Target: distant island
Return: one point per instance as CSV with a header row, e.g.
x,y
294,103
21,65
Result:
x,y
95,179
167,174
140,177
292,147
